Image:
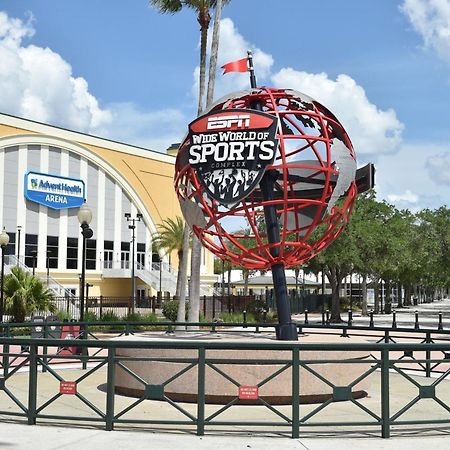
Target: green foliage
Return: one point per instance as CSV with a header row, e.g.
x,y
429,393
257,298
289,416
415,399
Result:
x,y
64,316
170,310
236,317
256,308
90,316
109,316
26,294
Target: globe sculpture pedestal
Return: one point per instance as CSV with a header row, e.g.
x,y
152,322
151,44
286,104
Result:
x,y
219,390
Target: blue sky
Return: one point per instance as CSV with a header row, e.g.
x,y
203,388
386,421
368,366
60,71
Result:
x,y
122,71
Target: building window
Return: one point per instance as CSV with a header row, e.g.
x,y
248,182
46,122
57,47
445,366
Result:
x,y
11,247
125,255
108,254
91,254
52,252
31,250
140,255
72,253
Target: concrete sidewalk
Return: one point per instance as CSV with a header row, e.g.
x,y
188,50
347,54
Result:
x,y
40,437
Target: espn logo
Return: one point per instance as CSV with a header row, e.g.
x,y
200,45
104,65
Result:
x,y
224,122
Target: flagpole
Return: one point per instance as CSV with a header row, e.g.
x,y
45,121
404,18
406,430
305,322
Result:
x,y
251,69
286,330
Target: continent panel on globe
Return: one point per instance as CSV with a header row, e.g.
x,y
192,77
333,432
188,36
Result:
x,y
304,148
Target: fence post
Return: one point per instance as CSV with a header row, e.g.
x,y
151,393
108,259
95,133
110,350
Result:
x,y
201,392
295,392
204,306
45,350
32,386
214,306
428,356
109,420
385,414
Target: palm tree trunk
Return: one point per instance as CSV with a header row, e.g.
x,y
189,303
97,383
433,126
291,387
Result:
x,y
194,294
364,295
335,280
214,53
182,276
180,259
245,274
203,19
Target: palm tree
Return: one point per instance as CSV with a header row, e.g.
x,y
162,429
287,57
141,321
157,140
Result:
x,y
202,7
26,294
169,239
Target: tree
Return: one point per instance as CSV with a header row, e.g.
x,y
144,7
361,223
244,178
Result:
x,y
202,7
26,294
170,238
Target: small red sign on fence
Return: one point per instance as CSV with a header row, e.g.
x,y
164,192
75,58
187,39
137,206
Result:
x,y
248,392
68,387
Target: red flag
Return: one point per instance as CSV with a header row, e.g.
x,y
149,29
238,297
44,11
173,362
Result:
x,y
236,66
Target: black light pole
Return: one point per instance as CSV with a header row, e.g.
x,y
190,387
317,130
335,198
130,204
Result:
x,y
88,285
4,241
34,255
132,227
19,229
84,217
286,329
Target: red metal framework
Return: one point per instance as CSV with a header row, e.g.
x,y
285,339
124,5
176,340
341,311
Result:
x,y
307,171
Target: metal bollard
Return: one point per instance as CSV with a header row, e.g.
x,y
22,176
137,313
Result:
x,y
416,324
244,313
323,317
394,319
306,317
350,317
327,314
371,319
264,315
440,327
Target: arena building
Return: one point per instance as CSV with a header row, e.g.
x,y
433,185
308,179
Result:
x,y
45,172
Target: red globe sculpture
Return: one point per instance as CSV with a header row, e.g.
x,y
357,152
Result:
x,y
314,186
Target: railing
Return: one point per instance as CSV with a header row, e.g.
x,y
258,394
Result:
x,y
58,289
104,358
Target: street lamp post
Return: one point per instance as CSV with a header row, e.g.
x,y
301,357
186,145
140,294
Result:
x,y
132,227
88,285
34,255
84,217
4,241
19,229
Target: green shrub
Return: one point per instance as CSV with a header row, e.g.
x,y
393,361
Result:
x,y
170,310
90,316
149,317
256,308
109,316
133,317
63,316
236,317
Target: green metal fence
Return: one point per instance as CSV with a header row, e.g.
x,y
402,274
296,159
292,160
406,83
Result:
x,y
27,363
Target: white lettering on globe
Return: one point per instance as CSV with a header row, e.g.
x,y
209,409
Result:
x,y
230,151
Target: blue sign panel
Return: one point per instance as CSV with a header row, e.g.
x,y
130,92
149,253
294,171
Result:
x,y
53,191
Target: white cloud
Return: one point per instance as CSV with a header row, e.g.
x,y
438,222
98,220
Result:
x,y
406,171
151,129
38,84
439,168
431,19
372,131
406,197
233,46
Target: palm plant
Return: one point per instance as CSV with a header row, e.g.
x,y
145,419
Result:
x,y
169,239
26,294
202,7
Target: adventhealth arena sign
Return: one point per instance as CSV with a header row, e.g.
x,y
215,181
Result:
x,y
53,191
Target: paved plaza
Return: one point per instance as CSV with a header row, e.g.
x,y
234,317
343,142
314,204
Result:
x,y
48,434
